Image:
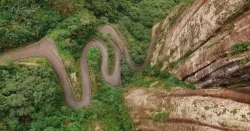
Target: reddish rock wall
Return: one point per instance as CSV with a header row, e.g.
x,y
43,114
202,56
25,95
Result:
x,y
202,37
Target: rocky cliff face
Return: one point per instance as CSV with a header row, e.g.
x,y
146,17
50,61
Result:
x,y
207,43
157,109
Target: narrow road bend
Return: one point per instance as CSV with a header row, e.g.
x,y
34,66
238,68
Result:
x,y
45,48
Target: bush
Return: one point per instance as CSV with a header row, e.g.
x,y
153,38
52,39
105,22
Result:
x,y
239,48
24,23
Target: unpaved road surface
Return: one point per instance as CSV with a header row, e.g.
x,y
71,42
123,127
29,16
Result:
x,y
46,48
203,109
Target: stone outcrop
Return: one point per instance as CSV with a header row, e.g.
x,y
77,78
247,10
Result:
x,y
195,43
157,109
206,43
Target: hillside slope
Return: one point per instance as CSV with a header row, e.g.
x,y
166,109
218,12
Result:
x,y
207,44
158,109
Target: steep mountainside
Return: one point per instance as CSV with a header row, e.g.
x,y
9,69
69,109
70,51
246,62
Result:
x,y
157,109
207,43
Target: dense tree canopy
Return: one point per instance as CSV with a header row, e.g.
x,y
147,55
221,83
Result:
x,y
31,97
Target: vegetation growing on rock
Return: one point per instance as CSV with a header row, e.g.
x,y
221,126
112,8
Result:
x,y
239,48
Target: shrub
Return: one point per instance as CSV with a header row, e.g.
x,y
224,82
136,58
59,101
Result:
x,y
239,48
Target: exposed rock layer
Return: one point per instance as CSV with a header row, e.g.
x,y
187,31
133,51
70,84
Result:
x,y
198,44
199,110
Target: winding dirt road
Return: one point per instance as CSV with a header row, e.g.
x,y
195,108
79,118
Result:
x,y
46,48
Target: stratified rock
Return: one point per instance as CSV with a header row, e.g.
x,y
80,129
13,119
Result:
x,y
185,110
198,43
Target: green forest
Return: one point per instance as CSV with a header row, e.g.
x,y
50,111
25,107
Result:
x,y
31,97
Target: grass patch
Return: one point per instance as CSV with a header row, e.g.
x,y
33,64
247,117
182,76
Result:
x,y
165,78
244,116
159,79
239,48
170,80
183,59
159,115
234,111
140,80
231,25
40,61
209,46
206,107
223,124
245,60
